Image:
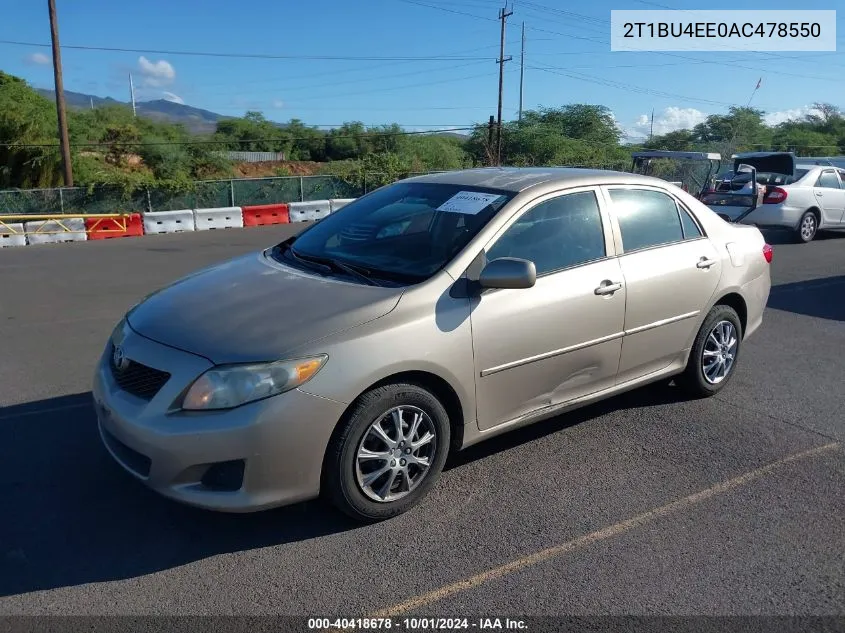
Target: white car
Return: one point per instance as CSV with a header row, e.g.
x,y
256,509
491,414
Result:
x,y
802,198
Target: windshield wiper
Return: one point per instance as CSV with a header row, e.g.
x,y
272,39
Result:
x,y
352,270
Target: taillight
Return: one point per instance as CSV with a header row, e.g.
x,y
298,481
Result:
x,y
776,195
768,253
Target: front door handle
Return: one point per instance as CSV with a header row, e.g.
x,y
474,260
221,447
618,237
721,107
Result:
x,y
608,287
705,263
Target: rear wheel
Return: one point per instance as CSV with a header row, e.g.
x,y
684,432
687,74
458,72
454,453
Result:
x,y
807,227
714,353
388,454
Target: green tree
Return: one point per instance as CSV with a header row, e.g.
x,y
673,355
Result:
x,y
742,129
675,141
27,120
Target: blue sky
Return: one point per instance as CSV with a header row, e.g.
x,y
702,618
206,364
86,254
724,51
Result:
x,y
568,60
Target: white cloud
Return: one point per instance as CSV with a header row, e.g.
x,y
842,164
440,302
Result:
x,y
156,74
278,103
773,118
38,59
169,96
671,119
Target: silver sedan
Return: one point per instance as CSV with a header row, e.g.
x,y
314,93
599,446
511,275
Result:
x,y
420,319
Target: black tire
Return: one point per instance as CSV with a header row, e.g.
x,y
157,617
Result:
x,y
806,234
340,481
693,380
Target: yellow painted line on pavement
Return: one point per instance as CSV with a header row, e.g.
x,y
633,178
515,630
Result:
x,y
519,564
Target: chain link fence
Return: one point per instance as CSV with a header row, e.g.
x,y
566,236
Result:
x,y
203,195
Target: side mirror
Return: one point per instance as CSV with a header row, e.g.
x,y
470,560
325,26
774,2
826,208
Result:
x,y
508,272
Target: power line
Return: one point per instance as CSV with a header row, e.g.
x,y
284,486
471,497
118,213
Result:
x,y
255,140
392,88
432,6
289,89
351,58
604,22
629,87
344,71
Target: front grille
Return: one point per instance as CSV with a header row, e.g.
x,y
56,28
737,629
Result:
x,y
139,380
129,457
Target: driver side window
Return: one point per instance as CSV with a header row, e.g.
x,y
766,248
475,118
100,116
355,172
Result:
x,y
556,234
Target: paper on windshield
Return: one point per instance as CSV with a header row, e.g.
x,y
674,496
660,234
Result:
x,y
468,202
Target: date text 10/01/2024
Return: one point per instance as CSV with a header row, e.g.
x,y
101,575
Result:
x,y
416,624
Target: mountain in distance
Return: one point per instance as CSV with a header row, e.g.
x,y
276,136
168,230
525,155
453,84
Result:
x,y
196,120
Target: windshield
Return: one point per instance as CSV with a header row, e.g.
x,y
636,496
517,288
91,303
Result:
x,y
406,231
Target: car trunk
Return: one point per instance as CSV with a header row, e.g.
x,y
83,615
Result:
x,y
733,199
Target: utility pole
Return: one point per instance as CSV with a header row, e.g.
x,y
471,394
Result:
x,y
651,132
490,127
521,71
92,103
132,95
60,94
503,16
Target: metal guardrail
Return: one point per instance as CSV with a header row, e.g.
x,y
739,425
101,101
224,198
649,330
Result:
x,y
254,157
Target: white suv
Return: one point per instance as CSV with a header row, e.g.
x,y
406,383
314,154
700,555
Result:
x,y
801,198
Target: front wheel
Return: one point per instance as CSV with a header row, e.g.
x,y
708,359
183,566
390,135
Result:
x,y
388,454
714,353
807,227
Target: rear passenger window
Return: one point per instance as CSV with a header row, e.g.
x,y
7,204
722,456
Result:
x,y
646,218
828,180
691,230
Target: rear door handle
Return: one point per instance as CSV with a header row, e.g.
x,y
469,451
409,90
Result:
x,y
608,287
705,263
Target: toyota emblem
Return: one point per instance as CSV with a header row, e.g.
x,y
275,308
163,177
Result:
x,y
119,358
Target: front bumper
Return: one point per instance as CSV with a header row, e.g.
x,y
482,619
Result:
x,y
279,442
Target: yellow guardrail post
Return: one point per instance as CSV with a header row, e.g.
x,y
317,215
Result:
x,y
120,219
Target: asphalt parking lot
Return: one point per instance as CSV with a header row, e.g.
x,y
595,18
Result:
x,y
644,504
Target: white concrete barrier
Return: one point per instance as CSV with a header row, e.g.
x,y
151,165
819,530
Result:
x,y
55,231
339,203
219,218
12,235
309,211
169,221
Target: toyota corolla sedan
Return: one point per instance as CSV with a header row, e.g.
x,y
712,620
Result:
x,y
350,360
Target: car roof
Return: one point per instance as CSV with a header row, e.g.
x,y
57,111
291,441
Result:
x,y
517,179
761,154
672,154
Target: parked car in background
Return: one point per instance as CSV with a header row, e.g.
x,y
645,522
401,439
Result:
x,y
801,198
422,318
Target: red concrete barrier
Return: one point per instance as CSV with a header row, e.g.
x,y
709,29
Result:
x,y
262,214
104,228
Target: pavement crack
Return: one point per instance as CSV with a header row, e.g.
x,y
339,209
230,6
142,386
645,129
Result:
x,y
778,419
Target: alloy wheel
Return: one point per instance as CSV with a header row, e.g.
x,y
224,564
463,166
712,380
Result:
x,y
395,453
719,353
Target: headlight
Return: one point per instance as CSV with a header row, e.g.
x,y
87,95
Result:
x,y
230,386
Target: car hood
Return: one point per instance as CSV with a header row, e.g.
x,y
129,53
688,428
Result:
x,y
255,309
